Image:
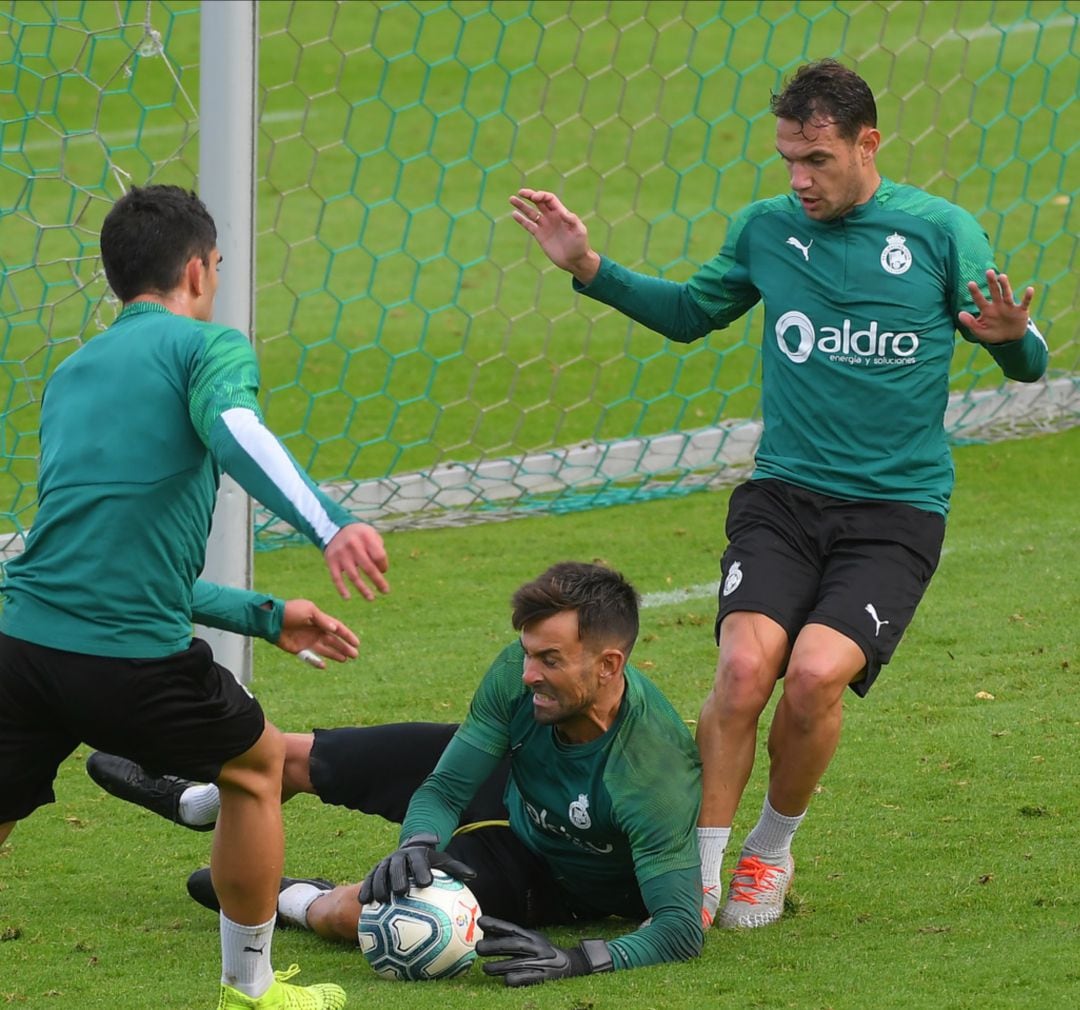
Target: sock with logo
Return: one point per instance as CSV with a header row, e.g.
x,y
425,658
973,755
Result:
x,y
293,903
200,805
771,837
245,956
711,845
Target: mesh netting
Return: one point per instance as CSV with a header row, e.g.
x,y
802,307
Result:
x,y
419,356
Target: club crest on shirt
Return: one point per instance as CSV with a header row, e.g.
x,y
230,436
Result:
x,y
896,256
579,812
734,577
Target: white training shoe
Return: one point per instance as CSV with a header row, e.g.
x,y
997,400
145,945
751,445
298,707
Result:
x,y
756,893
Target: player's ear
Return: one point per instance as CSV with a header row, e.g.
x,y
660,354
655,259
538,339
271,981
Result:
x,y
867,143
195,276
612,662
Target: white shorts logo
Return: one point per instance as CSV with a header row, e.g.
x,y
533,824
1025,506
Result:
x,y
896,256
734,577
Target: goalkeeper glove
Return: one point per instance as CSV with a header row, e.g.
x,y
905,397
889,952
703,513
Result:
x,y
533,958
415,859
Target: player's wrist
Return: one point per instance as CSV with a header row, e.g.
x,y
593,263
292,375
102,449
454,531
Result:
x,y
590,957
424,838
586,268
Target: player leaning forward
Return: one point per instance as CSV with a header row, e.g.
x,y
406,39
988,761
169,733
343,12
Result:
x,y
832,542
569,793
95,636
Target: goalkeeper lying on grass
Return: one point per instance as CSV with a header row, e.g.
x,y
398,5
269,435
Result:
x,y
569,793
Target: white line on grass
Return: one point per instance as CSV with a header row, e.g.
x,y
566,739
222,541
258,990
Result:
x,y
999,31
701,592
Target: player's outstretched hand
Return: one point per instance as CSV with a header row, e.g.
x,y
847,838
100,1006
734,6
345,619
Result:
x,y
357,550
561,233
1000,319
531,957
412,862
308,630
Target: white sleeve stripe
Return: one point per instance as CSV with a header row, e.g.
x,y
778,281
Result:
x,y
268,455
1035,329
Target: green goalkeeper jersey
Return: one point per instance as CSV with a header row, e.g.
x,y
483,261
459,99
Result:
x,y
861,314
614,818
136,427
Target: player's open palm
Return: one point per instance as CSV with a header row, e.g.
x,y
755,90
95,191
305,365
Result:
x,y
304,627
561,233
1000,319
356,553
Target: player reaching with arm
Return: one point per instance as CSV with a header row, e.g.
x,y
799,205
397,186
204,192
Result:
x,y
832,542
95,636
569,793
297,626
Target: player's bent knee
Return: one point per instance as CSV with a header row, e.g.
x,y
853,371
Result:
x,y
260,765
813,688
744,684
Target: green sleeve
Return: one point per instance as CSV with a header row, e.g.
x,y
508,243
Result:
x,y
225,377
224,409
238,610
249,452
673,931
663,306
719,293
473,753
1022,360
436,806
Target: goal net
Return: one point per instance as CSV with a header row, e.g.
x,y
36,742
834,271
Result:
x,y
420,356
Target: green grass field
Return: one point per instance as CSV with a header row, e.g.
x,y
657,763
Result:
x,y
935,869
402,319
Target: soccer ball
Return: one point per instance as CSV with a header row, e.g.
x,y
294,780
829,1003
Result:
x,y
428,933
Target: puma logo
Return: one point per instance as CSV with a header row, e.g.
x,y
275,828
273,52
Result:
x,y
470,930
804,249
255,950
877,622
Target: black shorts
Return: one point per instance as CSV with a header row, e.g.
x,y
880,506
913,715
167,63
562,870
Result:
x,y
376,770
181,715
858,567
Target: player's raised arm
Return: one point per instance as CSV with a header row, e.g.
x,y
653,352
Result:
x,y
1000,319
296,626
559,231
224,410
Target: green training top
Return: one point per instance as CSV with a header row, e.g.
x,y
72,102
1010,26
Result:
x,y
860,322
136,427
241,611
615,819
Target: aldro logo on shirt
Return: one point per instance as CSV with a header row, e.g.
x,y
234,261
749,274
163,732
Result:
x,y
578,812
798,337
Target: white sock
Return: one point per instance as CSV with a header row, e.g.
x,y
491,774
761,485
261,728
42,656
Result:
x,y
771,837
200,805
293,903
245,956
711,845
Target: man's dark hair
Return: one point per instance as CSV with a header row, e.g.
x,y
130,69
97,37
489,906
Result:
x,y
827,92
606,604
149,236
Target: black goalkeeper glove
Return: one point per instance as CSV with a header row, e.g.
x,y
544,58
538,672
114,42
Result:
x,y
533,958
413,861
